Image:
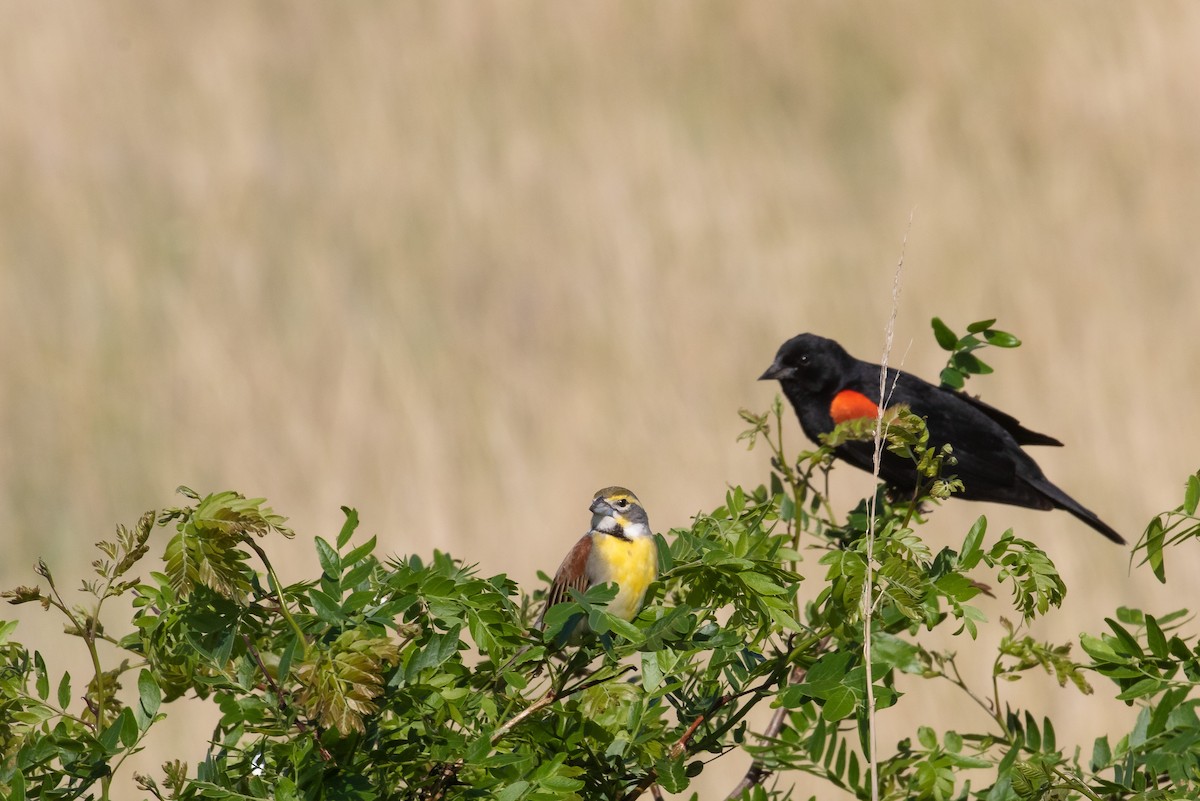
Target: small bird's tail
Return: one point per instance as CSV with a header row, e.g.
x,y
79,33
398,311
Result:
x,y
1065,502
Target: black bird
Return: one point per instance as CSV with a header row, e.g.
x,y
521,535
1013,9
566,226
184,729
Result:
x,y
826,386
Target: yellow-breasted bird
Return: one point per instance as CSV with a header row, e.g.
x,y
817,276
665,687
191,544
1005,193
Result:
x,y
618,549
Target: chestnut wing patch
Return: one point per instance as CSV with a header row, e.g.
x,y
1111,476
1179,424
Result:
x,y
571,573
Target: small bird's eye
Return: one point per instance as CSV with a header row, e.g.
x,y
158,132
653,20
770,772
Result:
x,y
622,503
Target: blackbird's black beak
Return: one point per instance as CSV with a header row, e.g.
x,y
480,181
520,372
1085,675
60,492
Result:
x,y
776,370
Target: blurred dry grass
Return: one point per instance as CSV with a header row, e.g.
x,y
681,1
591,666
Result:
x,y
458,264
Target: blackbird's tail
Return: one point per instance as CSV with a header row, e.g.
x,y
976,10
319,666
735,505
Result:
x,y
1062,500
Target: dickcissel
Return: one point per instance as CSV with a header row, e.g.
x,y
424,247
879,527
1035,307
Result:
x,y
618,549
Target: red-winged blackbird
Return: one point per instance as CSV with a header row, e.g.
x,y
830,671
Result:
x,y
826,386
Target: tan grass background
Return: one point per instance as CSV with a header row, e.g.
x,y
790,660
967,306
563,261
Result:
x,y
460,264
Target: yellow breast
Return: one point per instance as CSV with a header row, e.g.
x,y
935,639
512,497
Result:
x,y
630,564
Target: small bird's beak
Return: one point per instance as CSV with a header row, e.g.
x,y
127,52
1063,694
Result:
x,y
774,371
600,507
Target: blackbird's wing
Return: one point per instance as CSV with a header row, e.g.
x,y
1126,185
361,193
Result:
x,y
1020,433
989,458
571,574
987,445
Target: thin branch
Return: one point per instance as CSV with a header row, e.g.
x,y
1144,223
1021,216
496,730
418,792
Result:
x,y
281,702
301,641
680,746
448,772
758,772
994,714
548,697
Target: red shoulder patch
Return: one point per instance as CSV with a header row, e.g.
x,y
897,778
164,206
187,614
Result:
x,y
851,405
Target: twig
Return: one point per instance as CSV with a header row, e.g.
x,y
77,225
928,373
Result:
x,y
447,772
273,579
994,714
758,771
679,748
546,700
681,744
281,703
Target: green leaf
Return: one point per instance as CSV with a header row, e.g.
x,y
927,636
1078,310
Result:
x,y
1101,754
1140,689
290,651
652,674
1001,790
1155,537
328,608
330,562
1191,498
927,737
64,691
348,527
129,727
952,378
358,553
1098,649
760,584
624,628
110,738
439,648
1131,616
828,671
1033,737
671,775
1128,642
561,785
980,326
513,791
1001,339
839,704
896,653
1155,638
666,562
149,694
947,339
1163,709
16,787
972,547
969,363
42,683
